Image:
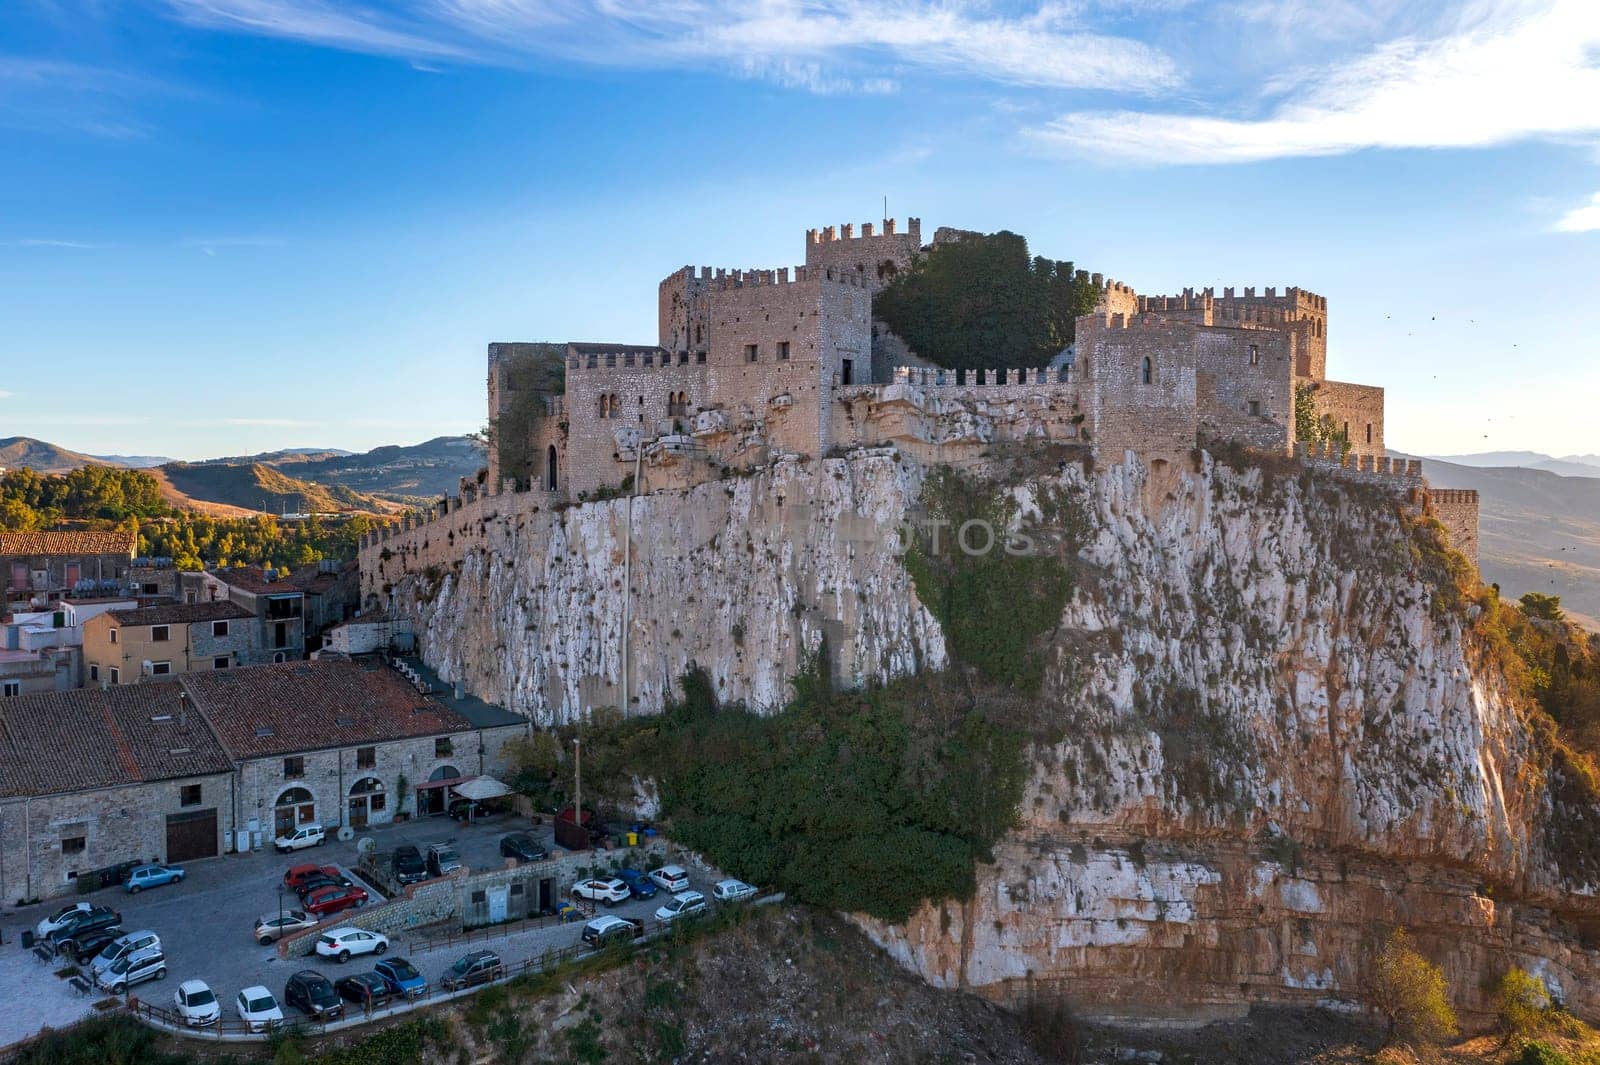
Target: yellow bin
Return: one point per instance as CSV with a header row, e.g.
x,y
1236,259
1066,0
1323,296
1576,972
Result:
x,y
633,839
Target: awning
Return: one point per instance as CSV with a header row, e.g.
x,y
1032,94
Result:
x,y
479,788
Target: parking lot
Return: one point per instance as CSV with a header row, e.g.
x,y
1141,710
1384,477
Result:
x,y
206,922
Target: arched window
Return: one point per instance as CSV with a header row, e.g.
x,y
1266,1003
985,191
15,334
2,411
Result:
x,y
1145,370
293,808
550,468
605,406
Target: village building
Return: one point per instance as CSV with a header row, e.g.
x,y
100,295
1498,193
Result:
x,y
94,778
214,761
38,568
151,642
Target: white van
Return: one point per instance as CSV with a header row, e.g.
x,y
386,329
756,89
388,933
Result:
x,y
121,947
149,964
304,836
685,905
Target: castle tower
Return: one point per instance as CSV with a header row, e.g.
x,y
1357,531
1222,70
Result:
x,y
874,256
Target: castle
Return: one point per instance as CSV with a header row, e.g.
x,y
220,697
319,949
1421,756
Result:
x,y
753,365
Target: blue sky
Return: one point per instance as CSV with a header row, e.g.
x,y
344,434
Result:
x,y
233,225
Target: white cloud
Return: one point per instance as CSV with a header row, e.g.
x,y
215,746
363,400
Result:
x,y
6,395
817,45
1585,219
48,242
1503,72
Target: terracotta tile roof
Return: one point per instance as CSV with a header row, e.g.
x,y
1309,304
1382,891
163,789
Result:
x,y
182,613
312,579
73,542
254,580
58,742
261,711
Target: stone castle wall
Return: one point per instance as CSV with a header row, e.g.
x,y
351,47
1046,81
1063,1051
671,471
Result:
x,y
1457,511
1142,383
1356,409
875,255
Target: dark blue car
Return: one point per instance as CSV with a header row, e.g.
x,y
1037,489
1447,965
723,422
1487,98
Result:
x,y
401,977
639,885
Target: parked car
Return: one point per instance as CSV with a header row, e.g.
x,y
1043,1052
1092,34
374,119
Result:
x,y
148,876
409,868
312,994
135,968
479,967
367,990
89,920
323,880
673,878
258,1009
274,926
610,892
343,943
442,859
685,904
86,947
401,977
609,929
324,902
123,946
60,917
299,876
639,885
522,847
196,1004
467,810
304,836
732,890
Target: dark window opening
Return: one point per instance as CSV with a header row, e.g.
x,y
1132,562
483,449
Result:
x,y
189,795
293,767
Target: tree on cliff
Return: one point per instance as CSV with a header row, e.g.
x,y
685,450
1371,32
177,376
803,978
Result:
x,y
981,303
1408,991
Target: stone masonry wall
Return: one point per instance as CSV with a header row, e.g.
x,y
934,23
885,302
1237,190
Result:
x,y
118,825
867,253
1457,511
1357,409
1126,412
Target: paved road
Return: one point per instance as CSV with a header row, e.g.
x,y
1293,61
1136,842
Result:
x,y
205,923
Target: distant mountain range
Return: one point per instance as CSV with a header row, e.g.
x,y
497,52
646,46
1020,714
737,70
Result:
x,y
292,479
1566,466
1539,531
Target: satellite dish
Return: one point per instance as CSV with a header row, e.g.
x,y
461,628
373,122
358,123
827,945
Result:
x,y
366,845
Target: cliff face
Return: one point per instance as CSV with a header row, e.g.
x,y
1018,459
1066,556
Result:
x,y
1273,743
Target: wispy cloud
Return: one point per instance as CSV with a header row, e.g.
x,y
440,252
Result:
x,y
51,242
815,45
1502,72
40,93
210,245
6,395
1585,219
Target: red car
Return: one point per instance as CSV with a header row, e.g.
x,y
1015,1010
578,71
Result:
x,y
328,900
301,873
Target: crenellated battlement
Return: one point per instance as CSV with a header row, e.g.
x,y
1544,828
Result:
x,y
1102,283
1464,496
635,359
938,377
846,231
721,279
1384,468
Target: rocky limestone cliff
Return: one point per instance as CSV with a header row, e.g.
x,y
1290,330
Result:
x,y
1270,740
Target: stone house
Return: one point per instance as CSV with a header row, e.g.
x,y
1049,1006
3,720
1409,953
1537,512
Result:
x,y
93,778
339,742
332,591
40,567
127,646
278,605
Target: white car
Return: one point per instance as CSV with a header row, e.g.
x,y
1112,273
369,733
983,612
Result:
x,y
344,943
304,836
123,946
59,918
685,904
258,1009
136,968
607,891
196,1004
732,890
673,878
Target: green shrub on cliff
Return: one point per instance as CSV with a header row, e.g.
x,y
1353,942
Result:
x,y
1409,993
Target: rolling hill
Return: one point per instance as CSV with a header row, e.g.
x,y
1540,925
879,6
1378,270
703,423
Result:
x,y
254,486
24,452
426,470
1538,531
